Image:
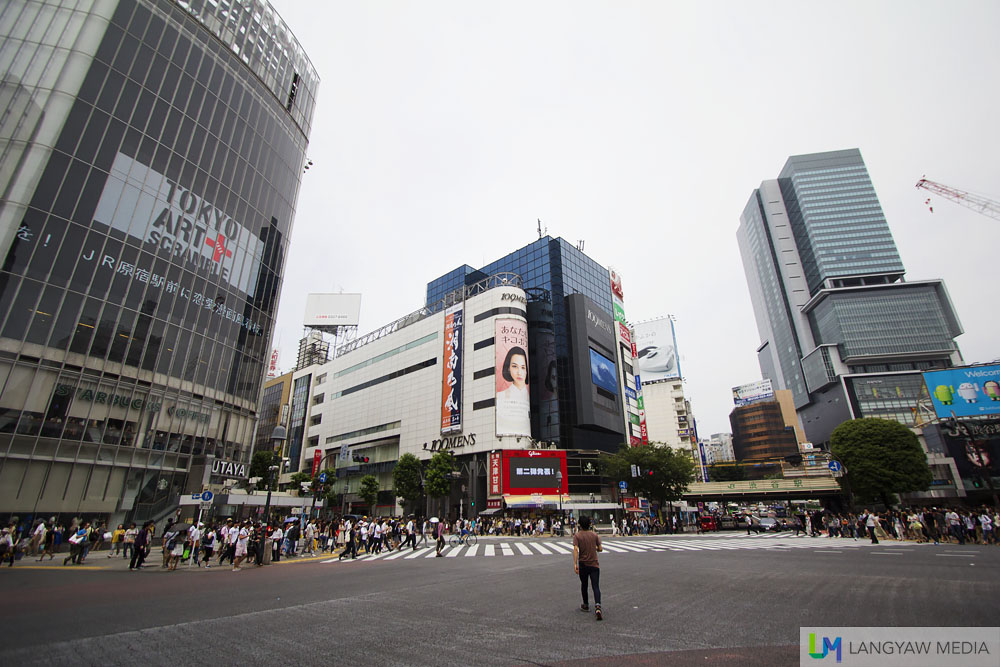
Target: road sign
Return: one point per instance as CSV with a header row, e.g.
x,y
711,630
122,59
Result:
x,y
206,506
322,478
834,466
622,485
206,497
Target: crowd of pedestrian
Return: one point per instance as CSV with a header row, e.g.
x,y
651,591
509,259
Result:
x,y
961,526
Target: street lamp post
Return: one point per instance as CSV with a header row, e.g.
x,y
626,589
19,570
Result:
x,y
278,436
559,479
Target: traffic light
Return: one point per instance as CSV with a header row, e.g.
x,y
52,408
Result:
x,y
977,482
360,459
794,459
649,473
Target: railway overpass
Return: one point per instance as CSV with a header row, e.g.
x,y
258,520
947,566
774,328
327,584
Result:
x,y
794,488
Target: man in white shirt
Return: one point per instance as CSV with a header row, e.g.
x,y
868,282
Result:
x,y
242,537
194,537
229,535
411,535
310,536
276,536
37,537
364,535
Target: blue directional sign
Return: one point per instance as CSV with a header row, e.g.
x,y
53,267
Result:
x,y
322,478
206,497
622,485
834,466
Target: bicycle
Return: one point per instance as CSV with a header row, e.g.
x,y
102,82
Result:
x,y
460,540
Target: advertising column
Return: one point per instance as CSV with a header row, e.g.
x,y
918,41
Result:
x,y
513,407
451,385
635,413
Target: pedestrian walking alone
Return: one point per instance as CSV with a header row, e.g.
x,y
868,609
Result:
x,y
586,544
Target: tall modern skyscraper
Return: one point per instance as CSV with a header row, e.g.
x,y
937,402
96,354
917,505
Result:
x,y
839,325
152,152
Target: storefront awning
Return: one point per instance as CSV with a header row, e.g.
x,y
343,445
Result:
x,y
492,510
534,501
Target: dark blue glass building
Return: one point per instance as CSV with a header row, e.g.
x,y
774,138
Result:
x,y
552,270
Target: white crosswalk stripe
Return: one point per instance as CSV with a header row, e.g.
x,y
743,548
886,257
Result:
x,y
620,545
419,553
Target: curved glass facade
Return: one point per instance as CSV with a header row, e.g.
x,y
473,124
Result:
x,y
153,152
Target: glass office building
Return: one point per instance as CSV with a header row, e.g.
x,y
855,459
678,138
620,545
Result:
x,y
551,269
829,294
153,152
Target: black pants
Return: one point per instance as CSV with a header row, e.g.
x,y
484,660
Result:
x,y
138,555
411,539
228,551
594,575
871,534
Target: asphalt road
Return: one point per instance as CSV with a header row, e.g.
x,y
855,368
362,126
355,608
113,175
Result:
x,y
718,600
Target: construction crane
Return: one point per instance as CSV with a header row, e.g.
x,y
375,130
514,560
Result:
x,y
977,203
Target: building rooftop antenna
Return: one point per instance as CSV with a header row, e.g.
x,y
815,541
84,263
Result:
x,y
540,232
579,245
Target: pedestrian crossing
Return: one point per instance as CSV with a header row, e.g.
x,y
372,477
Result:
x,y
614,546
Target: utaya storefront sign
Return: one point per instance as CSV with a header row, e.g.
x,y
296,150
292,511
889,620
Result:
x,y
229,468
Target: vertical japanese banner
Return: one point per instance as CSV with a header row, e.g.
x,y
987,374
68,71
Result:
x,y
513,406
451,385
641,404
317,459
495,486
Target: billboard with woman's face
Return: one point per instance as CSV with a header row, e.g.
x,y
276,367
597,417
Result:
x,y
513,405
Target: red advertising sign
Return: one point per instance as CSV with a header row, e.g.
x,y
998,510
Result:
x,y
634,441
451,384
616,284
494,503
317,458
628,501
496,484
635,352
527,471
625,334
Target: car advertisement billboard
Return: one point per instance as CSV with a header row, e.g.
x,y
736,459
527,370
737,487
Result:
x,y
513,406
752,392
534,471
970,391
656,345
451,382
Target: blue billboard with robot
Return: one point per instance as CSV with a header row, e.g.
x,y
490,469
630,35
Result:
x,y
968,391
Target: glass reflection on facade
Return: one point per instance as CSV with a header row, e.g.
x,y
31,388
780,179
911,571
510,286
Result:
x,y
156,150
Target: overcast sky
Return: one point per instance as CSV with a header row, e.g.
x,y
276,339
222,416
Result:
x,y
443,130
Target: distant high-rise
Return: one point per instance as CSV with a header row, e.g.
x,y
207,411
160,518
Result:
x,y
839,325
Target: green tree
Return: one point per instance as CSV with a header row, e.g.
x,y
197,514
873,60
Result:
x,y
438,476
664,474
259,465
882,457
726,472
406,479
369,491
298,479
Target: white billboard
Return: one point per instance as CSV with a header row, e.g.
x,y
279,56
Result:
x,y
752,392
656,349
332,310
